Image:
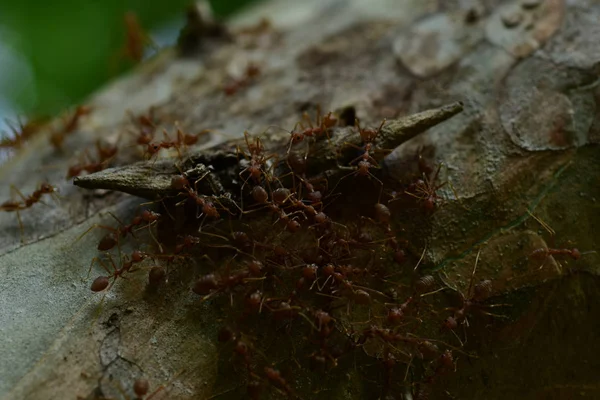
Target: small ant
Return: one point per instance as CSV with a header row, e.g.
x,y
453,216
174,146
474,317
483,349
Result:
x,y
27,201
205,204
145,124
110,240
365,160
183,140
321,126
544,252
102,282
426,191
57,138
256,161
105,154
20,133
472,301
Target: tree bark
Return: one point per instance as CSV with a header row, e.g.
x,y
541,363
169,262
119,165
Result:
x,y
508,93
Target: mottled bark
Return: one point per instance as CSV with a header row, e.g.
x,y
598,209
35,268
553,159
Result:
x,y
524,149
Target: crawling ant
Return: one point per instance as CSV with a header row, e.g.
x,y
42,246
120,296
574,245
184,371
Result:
x,y
544,252
145,125
102,282
473,299
256,161
425,190
205,204
111,239
27,201
136,38
365,161
57,138
183,140
20,133
104,156
320,127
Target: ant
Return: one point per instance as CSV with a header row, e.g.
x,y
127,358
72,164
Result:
x,y
20,133
183,139
145,124
111,239
27,201
256,161
365,160
476,294
105,154
205,203
321,126
136,41
127,262
426,191
251,72
57,138
136,38
544,252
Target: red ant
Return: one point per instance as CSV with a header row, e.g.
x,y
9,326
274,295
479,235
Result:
x,y
365,160
102,282
544,252
136,39
57,138
472,301
105,154
322,124
110,240
20,133
27,201
204,203
252,71
426,191
145,124
183,139
256,162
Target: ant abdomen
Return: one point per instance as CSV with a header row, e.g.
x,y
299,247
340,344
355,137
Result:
x,y
156,276
99,284
425,284
141,387
482,290
260,195
205,284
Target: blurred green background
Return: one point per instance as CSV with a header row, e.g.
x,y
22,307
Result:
x,y
53,54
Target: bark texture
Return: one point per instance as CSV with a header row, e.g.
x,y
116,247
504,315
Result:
x,y
518,146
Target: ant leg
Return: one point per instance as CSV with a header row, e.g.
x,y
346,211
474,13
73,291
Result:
x,y
16,190
21,227
90,269
110,228
341,179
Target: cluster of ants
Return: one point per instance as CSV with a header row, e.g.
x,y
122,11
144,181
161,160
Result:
x,y
287,258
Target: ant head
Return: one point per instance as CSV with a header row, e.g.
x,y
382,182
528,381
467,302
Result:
x,y
297,137
153,148
178,182
47,188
